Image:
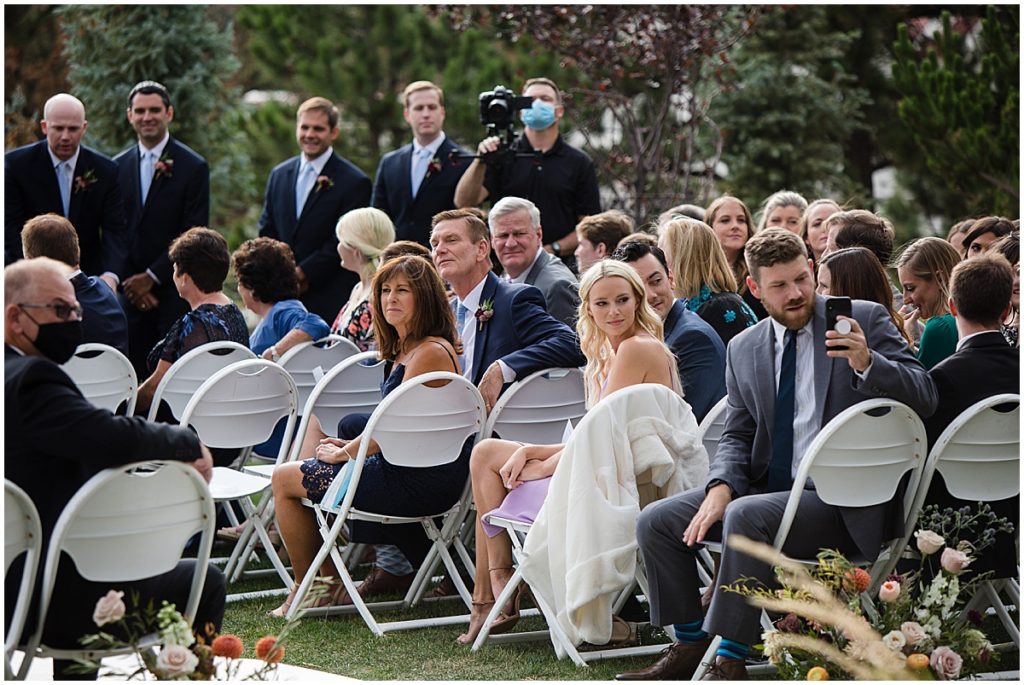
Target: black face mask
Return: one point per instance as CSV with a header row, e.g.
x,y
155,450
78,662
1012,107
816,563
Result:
x,y
57,341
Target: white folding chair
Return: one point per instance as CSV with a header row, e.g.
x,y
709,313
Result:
x,y
536,408
104,375
858,459
125,524
415,426
191,370
22,535
308,362
712,426
978,456
237,408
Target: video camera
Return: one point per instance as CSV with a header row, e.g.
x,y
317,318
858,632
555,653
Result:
x,y
497,113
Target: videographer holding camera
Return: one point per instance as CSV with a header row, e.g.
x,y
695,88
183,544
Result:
x,y
539,166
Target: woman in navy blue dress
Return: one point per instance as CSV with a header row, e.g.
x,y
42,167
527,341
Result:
x,y
415,332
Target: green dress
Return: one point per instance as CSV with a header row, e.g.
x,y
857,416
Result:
x,y
938,340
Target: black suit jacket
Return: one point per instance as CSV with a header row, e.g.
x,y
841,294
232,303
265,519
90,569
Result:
x,y
95,210
103,319
392,190
176,202
312,236
700,356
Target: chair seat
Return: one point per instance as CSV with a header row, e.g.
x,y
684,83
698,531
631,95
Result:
x,y
229,484
264,470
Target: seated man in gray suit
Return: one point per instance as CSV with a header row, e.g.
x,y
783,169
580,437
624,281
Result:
x,y
786,378
516,234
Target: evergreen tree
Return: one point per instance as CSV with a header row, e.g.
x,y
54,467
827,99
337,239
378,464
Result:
x,y
791,109
962,107
112,47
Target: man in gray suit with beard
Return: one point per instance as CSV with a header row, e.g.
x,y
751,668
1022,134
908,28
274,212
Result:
x,y
786,378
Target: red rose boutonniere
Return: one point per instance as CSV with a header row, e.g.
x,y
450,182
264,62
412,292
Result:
x,y
433,167
163,167
323,183
484,313
85,180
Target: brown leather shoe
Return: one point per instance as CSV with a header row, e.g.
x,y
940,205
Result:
x,y
379,582
678,662
727,669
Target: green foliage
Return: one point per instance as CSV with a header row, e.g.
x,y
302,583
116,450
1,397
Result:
x,y
791,109
961,105
112,47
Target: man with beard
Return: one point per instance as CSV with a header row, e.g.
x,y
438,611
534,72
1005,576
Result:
x,y
786,378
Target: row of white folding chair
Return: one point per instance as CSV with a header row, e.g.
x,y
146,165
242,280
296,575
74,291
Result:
x,y
125,524
104,375
22,536
309,362
415,426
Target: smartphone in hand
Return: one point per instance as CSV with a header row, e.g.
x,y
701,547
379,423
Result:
x,y
834,308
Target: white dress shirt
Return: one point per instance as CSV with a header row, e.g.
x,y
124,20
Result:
x,y
804,429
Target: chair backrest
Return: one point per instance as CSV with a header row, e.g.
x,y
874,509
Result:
x,y
132,522
712,426
417,425
536,408
104,375
240,405
978,454
308,362
22,535
191,370
353,386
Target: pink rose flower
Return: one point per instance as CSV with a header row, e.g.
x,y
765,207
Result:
x,y
954,561
174,661
946,663
929,542
889,591
913,631
110,608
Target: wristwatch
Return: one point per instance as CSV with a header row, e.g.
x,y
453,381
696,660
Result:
x,y
556,248
273,353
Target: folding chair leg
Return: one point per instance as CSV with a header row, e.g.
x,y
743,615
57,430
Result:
x,y
709,658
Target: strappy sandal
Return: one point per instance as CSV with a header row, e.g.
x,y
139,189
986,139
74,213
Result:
x,y
507,620
482,610
624,633
282,611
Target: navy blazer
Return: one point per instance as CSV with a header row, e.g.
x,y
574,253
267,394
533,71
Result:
x,y
95,209
521,333
312,236
177,201
103,319
700,355
392,190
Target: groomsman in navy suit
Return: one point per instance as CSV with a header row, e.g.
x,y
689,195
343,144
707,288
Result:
x,y
166,190
306,195
62,176
417,181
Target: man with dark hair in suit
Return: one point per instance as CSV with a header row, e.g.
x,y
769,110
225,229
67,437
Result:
x,y
516,234
306,195
166,189
62,176
56,440
103,319
786,377
699,351
417,181
982,365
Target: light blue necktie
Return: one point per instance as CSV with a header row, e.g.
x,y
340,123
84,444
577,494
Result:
x,y
145,173
461,313
303,186
419,169
64,181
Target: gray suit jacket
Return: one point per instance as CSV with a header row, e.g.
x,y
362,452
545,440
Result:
x,y
559,285
745,449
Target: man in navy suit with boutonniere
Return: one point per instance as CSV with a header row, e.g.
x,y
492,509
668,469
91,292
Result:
x,y
417,181
166,190
62,176
306,195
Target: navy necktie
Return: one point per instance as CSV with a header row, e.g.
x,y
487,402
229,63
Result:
x,y
781,467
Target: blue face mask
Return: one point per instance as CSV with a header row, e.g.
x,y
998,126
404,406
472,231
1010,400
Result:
x,y
539,117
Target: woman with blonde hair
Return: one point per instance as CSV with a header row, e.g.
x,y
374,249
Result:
x,y
924,267
621,336
813,228
733,226
782,209
363,234
702,277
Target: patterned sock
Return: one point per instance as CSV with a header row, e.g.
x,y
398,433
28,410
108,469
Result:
x,y
690,633
732,650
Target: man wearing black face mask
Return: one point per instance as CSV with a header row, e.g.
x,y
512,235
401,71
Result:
x,y
56,440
